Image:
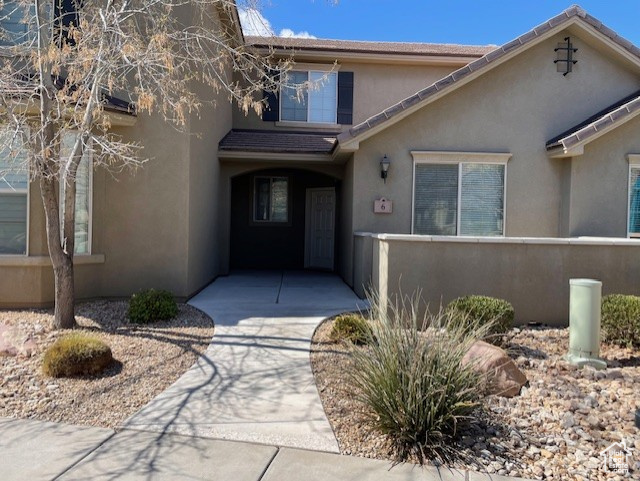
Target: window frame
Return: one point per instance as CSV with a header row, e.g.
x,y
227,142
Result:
x,y
460,158
634,163
25,44
308,71
26,191
89,194
269,223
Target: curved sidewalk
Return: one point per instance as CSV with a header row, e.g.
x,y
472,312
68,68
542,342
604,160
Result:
x,y
254,382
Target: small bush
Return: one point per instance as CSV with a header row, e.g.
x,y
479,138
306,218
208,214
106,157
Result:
x,y
151,306
621,320
413,383
76,354
479,311
351,327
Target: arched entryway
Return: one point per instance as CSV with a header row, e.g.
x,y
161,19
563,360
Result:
x,y
284,219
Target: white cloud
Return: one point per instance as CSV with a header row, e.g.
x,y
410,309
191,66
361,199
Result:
x,y
255,24
287,32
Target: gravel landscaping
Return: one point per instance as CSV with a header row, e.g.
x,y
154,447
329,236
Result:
x,y
555,429
149,359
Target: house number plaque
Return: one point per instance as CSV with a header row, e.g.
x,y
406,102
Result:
x,y
382,206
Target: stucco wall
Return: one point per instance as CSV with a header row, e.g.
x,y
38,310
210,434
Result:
x,y
514,108
207,129
599,183
346,222
376,87
532,274
155,228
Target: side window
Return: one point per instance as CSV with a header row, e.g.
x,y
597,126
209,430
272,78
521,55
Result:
x,y
14,191
462,198
634,201
84,192
17,23
271,199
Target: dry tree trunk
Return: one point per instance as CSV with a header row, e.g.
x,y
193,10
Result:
x,y
64,314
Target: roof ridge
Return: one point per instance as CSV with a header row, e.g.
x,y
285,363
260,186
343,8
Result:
x,y
386,42
482,63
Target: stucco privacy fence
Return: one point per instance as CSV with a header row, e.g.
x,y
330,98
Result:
x,y
531,273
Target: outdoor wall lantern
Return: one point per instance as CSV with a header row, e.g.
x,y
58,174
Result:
x,y
384,167
565,56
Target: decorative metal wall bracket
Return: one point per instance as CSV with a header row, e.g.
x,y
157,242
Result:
x,y
567,59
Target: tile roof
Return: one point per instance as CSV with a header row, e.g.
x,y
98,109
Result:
x,y
611,116
449,82
274,141
406,48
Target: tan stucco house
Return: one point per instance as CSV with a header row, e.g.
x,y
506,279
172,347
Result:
x,y
509,169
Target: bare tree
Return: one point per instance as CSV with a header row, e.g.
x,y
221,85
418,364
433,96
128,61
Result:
x,y
76,58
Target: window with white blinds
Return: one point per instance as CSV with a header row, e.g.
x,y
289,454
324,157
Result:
x,y
634,201
436,199
14,192
84,189
459,199
481,199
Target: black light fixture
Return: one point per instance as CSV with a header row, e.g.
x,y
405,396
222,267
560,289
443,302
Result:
x,y
384,167
565,60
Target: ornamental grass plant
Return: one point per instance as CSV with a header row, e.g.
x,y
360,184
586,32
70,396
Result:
x,y
412,379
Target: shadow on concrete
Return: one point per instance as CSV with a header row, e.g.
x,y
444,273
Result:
x,y
255,383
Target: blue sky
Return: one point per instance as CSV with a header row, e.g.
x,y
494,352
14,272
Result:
x,y
446,21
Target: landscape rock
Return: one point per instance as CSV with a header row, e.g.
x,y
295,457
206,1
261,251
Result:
x,y
14,342
549,416
504,377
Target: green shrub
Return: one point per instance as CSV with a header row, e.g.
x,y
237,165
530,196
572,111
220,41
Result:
x,y
351,327
151,306
621,320
413,383
474,311
76,354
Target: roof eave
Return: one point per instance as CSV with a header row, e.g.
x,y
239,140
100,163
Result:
x,y
392,58
561,152
573,145
247,155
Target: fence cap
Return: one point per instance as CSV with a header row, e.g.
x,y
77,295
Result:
x,y
585,282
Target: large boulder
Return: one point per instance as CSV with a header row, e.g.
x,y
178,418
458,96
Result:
x,y
503,376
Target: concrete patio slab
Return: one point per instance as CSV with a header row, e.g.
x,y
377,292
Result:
x,y
254,382
37,450
135,455
289,463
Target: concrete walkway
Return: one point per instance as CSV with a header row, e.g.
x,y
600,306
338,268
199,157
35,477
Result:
x,y
254,383
42,451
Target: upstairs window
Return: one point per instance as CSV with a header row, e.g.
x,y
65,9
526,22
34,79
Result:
x,y
14,193
456,197
316,104
17,23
